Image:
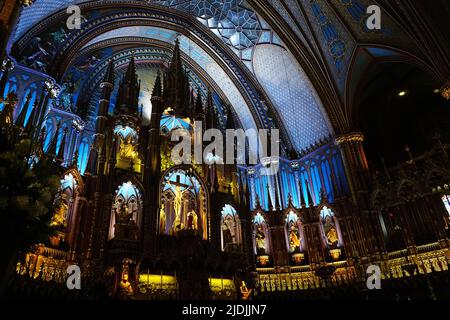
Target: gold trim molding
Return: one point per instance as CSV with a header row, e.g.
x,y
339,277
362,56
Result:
x,y
351,137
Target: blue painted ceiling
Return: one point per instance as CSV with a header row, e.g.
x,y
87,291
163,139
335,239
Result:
x,y
258,47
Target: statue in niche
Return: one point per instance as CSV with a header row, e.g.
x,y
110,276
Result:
x,y
192,220
162,220
260,240
59,217
330,232
294,239
177,205
123,214
128,149
228,231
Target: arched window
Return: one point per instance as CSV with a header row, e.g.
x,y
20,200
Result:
x,y
126,213
230,227
183,204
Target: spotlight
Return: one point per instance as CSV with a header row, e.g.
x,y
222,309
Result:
x,y
402,93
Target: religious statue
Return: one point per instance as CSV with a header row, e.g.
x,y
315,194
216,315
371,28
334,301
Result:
x,y
123,214
245,292
294,239
59,217
226,232
126,289
177,205
260,240
330,233
162,220
128,149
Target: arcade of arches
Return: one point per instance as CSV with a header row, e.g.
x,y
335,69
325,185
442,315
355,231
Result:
x,y
364,125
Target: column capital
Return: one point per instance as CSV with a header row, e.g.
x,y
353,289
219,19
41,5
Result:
x,y
349,137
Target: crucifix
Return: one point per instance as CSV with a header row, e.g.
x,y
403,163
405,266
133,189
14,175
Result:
x,y
178,200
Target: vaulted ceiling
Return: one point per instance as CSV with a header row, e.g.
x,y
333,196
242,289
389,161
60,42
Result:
x,y
278,63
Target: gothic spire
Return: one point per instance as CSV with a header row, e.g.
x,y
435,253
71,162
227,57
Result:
x,y
128,95
176,64
302,198
157,88
176,85
109,75
198,110
209,119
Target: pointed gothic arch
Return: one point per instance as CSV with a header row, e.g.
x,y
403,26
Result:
x,y
184,202
230,228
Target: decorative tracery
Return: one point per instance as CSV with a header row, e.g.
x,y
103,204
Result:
x,y
126,212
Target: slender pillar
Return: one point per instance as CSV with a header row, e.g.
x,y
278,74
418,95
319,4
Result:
x,y
356,166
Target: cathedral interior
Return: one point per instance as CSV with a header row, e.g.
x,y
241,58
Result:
x,y
89,105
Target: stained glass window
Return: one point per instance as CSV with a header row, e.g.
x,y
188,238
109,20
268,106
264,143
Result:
x,y
231,20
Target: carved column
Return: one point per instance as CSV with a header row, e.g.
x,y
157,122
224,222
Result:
x,y
356,166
